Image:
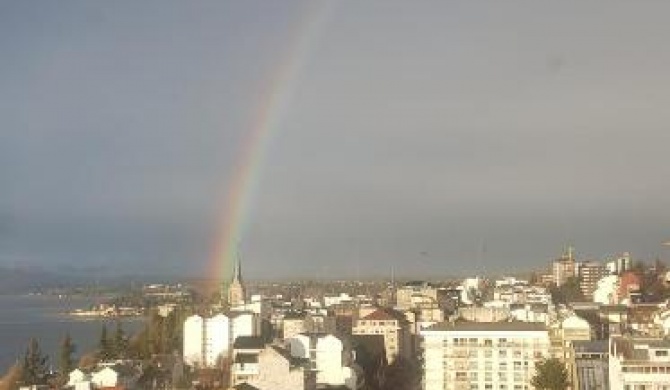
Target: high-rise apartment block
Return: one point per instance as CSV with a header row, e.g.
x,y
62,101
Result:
x,y
564,268
590,272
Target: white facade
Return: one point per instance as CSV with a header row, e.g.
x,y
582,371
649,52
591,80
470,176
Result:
x,y
606,291
216,339
639,364
482,355
275,372
193,338
325,355
244,324
336,300
206,340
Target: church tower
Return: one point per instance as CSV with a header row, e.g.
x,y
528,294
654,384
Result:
x,y
236,288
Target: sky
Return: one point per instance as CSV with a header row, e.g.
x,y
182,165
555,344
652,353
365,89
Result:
x,y
432,137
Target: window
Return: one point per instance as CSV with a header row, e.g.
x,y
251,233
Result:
x,y
662,352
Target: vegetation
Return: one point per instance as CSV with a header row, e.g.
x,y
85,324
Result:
x,y
119,345
567,292
402,374
34,370
104,347
161,335
113,347
550,374
652,281
65,359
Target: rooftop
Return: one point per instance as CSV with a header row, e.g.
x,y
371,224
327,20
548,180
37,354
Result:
x,y
484,326
248,342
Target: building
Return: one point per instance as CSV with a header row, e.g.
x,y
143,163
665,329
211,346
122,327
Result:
x,y
620,265
564,268
117,375
235,293
590,273
413,293
591,365
294,323
245,367
278,370
392,325
639,363
206,340
492,355
326,356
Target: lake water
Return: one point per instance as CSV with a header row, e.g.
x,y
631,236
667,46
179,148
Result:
x,y
45,318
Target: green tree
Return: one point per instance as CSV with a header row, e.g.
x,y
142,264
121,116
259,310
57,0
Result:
x,y
567,292
66,358
550,374
104,345
120,347
34,370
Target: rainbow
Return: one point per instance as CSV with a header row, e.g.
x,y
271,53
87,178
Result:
x,y
270,113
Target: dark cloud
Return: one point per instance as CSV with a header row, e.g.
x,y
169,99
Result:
x,y
413,137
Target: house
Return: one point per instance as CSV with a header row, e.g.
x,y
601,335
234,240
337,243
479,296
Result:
x,y
117,376
278,370
326,356
245,358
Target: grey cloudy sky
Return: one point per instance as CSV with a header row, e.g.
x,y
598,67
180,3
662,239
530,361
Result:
x,y
418,134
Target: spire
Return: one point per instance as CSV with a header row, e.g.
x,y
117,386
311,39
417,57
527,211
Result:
x,y
237,271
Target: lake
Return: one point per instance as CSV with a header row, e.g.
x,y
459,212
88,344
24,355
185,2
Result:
x,y
46,319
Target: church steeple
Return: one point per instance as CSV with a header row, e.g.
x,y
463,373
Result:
x,y
236,289
237,270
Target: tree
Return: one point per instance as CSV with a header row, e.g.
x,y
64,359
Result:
x,y
120,347
66,358
104,347
567,292
550,374
34,370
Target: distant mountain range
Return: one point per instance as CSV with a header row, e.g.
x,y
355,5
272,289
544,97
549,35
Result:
x,y
26,279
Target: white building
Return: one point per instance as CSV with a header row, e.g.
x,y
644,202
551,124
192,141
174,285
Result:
x,y
207,340
104,376
336,300
606,292
277,370
468,355
639,363
325,354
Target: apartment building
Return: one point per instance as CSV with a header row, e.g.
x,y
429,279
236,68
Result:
x,y
639,363
392,325
590,272
484,355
